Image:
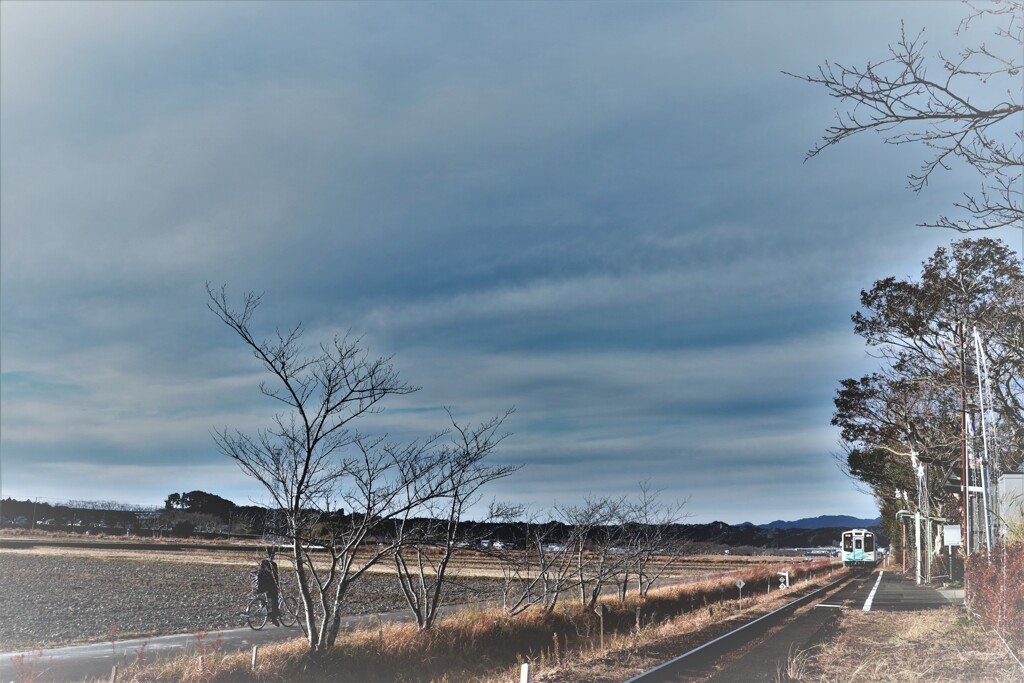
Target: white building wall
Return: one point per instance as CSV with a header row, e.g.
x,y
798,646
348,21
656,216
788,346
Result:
x,y
1011,504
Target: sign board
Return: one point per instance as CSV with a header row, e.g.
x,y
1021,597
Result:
x,y
951,535
740,583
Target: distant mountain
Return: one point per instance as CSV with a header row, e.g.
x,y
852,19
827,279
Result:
x,y
823,522
721,534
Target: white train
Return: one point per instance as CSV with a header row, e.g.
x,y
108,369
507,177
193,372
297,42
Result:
x,y
859,548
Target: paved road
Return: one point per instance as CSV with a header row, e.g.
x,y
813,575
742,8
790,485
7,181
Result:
x,y
79,662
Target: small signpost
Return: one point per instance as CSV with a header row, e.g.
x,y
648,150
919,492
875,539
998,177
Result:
x,y
951,538
740,583
783,580
601,611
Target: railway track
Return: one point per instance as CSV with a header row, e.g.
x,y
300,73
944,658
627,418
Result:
x,y
699,662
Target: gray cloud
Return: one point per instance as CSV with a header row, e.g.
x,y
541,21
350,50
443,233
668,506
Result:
x,y
596,213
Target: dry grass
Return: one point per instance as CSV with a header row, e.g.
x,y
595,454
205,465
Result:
x,y
485,645
197,556
797,665
910,647
91,535
630,653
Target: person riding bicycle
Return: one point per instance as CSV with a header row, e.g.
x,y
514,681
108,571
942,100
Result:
x,y
267,580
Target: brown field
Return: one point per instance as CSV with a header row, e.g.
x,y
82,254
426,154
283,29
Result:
x,y
468,564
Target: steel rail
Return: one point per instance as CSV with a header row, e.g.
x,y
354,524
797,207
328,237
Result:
x,y
777,613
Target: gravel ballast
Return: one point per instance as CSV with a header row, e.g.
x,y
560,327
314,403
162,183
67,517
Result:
x,y
49,600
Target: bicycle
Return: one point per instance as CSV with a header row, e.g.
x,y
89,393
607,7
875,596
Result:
x,y
258,611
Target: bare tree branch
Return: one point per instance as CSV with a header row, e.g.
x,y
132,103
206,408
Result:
x,y
970,112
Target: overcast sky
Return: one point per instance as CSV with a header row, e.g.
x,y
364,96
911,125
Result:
x,y
596,213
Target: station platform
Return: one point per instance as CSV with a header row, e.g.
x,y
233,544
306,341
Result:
x,y
897,593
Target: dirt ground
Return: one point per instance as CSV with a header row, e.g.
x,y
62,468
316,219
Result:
x,y
57,596
908,647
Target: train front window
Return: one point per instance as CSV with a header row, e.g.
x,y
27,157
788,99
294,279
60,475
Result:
x,y
847,543
857,543
869,544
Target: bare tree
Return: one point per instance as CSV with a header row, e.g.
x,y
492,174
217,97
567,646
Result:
x,y
651,547
422,559
598,542
588,547
970,110
538,569
335,488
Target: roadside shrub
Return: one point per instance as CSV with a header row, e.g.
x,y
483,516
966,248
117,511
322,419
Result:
x,y
996,591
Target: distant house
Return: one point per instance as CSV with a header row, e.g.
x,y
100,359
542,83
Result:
x,y
1011,506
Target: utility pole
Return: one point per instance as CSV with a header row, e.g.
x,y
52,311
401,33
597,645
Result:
x,y
923,504
965,484
903,527
979,355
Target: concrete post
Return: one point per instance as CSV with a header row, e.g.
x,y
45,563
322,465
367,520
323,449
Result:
x,y
917,547
903,526
928,556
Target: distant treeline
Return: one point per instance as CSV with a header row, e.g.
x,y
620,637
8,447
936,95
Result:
x,y
185,513
21,512
200,511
